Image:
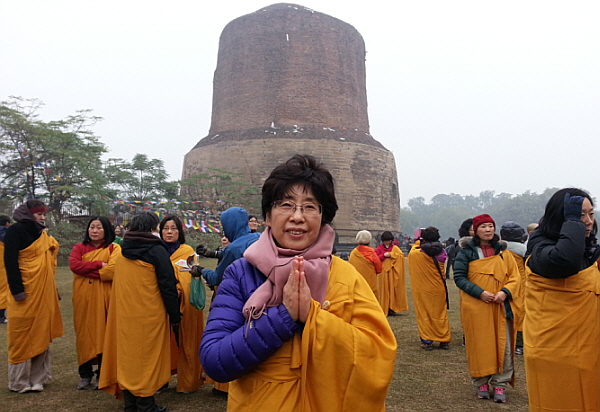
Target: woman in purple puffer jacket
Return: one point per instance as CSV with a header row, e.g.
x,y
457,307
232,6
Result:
x,y
292,327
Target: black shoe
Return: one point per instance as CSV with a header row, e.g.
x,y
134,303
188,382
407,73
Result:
x,y
445,345
163,388
219,393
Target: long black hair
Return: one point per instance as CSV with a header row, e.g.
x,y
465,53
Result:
x,y
109,231
554,215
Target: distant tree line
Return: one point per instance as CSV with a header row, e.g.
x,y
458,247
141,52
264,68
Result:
x,y
448,211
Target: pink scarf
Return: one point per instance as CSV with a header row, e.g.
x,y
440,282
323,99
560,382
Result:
x,y
275,263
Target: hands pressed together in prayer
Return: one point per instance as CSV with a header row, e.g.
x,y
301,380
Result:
x,y
489,297
296,293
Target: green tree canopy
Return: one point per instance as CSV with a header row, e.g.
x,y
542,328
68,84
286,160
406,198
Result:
x,y
141,179
222,189
56,161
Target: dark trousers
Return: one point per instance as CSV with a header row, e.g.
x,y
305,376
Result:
x,y
138,403
86,370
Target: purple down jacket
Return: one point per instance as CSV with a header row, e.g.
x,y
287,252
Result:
x,y
225,352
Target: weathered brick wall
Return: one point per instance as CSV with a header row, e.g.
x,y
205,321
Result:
x,y
289,65
365,176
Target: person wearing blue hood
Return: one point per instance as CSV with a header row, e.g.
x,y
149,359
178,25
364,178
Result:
x,y
235,227
4,224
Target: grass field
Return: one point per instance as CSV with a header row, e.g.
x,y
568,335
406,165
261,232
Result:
x,y
423,381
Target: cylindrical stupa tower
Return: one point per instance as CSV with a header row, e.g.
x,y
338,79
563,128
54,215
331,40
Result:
x,y
291,80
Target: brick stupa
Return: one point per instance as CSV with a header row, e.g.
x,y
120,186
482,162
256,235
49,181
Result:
x,y
292,80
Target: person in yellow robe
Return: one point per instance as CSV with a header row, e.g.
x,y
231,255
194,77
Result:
x,y
187,361
294,328
35,320
488,280
430,294
562,327
366,261
93,265
392,280
136,359
4,224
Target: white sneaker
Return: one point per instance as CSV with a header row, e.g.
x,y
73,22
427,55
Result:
x,y
38,387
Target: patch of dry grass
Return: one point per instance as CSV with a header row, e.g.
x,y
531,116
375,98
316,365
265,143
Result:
x,y
423,381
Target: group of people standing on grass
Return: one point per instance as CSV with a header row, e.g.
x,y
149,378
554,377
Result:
x,y
292,327
535,294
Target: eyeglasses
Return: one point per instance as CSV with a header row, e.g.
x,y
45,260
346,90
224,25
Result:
x,y
287,207
253,221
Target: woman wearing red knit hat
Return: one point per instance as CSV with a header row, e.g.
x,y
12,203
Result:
x,y
487,279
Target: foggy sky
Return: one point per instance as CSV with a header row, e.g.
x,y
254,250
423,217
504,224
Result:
x,y
468,95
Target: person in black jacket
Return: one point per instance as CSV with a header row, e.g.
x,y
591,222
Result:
x,y
30,261
562,325
144,301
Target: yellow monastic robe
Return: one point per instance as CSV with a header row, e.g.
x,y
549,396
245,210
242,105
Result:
x,y
429,295
35,320
366,268
188,368
3,280
518,302
561,332
223,387
136,342
484,324
342,362
91,299
392,283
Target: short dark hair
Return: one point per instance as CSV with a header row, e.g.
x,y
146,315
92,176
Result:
x,y
554,215
387,235
143,222
4,220
109,231
431,234
306,171
463,230
178,223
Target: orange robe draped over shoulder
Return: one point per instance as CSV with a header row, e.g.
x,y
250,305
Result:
x,y
561,332
3,280
35,320
429,295
484,324
342,362
189,370
392,283
366,261
91,298
136,348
